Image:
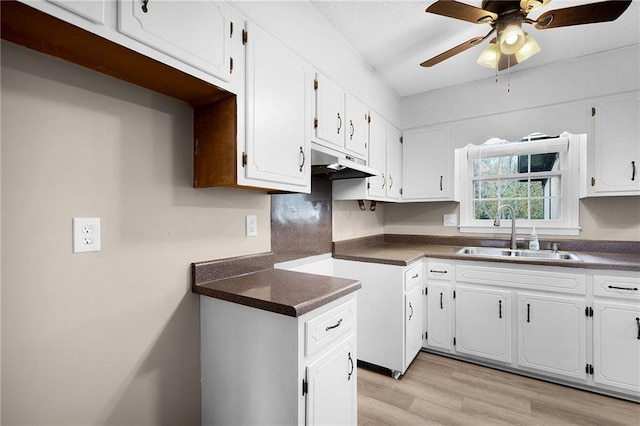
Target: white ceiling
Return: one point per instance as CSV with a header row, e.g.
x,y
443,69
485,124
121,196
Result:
x,y
395,36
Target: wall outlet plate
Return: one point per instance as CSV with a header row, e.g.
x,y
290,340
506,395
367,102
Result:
x,y
86,234
450,220
252,225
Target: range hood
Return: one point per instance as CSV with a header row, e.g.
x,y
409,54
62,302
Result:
x,y
336,165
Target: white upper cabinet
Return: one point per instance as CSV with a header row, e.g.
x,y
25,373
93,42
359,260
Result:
x,y
614,146
377,185
278,125
394,163
341,120
427,165
93,10
197,33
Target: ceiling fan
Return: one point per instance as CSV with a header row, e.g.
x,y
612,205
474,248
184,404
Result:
x,y
512,45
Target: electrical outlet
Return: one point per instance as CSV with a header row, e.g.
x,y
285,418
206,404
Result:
x,y
86,234
252,225
450,220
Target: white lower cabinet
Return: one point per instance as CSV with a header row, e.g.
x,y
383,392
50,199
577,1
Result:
x,y
483,322
439,315
552,334
616,343
389,312
260,367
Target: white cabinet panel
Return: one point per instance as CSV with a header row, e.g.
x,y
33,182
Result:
x,y
357,132
197,33
278,132
330,112
394,163
439,315
552,334
332,397
377,185
483,322
616,345
427,165
413,324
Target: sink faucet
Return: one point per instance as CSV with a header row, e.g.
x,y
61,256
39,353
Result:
x,y
496,222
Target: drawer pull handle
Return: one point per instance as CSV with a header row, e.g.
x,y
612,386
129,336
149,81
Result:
x,y
351,371
415,276
633,170
623,288
411,314
528,312
334,326
339,123
435,271
500,309
638,322
145,8
441,301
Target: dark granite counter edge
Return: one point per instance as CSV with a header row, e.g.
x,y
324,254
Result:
x,y
599,257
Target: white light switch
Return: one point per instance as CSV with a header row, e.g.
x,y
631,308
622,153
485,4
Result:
x,y
86,234
450,220
252,225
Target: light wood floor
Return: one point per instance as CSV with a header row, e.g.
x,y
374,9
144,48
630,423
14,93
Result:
x,y
439,390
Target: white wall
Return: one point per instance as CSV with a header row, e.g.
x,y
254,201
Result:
x,y
109,337
351,222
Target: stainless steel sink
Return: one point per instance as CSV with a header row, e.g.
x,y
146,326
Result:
x,y
522,254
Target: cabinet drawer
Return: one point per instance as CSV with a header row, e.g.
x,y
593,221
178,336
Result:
x,y
623,287
413,277
326,328
439,271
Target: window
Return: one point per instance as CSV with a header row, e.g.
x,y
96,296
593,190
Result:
x,y
538,178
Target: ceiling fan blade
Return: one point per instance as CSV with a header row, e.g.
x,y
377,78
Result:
x,y
451,52
604,11
462,11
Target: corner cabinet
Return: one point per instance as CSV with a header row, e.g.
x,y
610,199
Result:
x,y
613,146
390,312
260,367
270,149
427,165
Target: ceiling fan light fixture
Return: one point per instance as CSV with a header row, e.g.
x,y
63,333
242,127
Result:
x,y
528,49
511,39
490,55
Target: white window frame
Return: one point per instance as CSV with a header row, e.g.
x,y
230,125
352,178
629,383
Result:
x,y
569,148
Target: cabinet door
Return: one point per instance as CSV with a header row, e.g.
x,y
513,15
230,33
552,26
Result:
x,y
331,123
439,304
194,32
552,334
483,322
377,185
357,131
427,167
394,163
92,10
615,149
332,392
279,85
616,345
413,324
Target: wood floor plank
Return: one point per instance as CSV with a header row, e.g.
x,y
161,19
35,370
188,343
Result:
x,y
437,390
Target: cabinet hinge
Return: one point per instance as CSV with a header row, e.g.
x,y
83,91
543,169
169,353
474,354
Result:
x,y
244,159
454,341
245,36
368,118
400,191
230,29
593,181
426,291
305,387
426,335
368,185
588,368
315,84
230,65
401,139
593,112
315,123
454,294
588,311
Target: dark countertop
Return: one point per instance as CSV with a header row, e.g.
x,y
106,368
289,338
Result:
x,y
284,292
396,250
